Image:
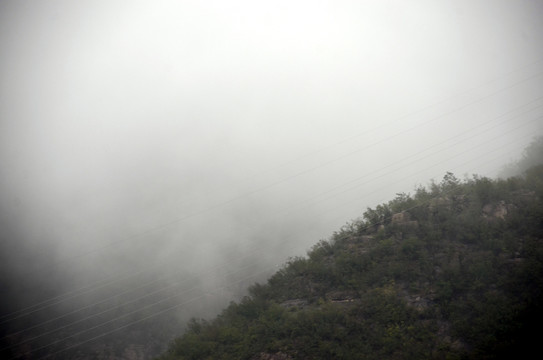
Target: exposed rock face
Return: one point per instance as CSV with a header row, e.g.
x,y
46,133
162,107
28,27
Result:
x,y
497,211
341,296
298,303
404,219
401,218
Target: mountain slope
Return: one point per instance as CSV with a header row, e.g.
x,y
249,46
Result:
x,y
453,272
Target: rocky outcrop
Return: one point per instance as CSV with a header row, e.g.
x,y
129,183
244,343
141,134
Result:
x,y
342,296
497,211
294,303
403,220
400,218
403,225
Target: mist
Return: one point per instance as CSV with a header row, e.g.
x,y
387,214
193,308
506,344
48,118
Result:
x,y
199,145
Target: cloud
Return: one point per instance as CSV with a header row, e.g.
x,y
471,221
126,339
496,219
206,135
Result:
x,y
143,131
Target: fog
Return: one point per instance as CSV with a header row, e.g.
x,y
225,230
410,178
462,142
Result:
x,y
209,141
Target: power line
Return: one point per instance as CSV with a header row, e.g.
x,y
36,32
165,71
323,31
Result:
x,y
281,180
285,179
368,226
150,304
306,201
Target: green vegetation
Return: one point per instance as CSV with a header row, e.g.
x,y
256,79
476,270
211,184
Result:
x,y
454,271
532,156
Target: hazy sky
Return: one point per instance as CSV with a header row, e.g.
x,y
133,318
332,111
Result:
x,y
220,123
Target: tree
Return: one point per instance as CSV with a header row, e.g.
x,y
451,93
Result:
x,y
531,156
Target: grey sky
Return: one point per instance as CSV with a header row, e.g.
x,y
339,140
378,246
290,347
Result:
x,y
119,117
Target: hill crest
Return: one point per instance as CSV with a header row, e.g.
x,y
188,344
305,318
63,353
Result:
x,y
451,272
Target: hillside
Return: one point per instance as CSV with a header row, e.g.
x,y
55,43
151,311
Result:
x,y
454,271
